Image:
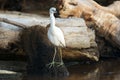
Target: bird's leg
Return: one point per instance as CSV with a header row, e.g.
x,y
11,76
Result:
x,y
53,60
61,60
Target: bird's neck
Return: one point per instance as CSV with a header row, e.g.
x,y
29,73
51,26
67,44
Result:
x,y
52,20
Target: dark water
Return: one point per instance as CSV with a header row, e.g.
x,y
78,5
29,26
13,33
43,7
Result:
x,y
108,69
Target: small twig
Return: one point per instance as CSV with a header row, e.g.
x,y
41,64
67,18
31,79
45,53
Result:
x,y
13,23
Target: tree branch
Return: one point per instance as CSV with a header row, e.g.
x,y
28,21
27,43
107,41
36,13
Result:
x,y
20,25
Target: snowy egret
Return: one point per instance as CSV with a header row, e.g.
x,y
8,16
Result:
x,y
56,37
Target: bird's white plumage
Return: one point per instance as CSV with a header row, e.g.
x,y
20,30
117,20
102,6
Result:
x,y
56,37
55,34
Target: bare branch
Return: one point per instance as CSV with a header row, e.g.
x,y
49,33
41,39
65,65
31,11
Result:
x,y
20,25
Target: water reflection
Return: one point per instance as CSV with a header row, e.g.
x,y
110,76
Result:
x,y
104,70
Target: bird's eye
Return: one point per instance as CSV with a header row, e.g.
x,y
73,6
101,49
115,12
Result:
x,y
74,4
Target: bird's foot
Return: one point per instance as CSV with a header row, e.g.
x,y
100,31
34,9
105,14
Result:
x,y
52,64
60,64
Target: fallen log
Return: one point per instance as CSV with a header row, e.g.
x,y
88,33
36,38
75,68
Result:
x,y
77,7
79,39
36,46
114,7
104,17
108,26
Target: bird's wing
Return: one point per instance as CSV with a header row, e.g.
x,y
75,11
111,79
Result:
x,y
60,37
56,37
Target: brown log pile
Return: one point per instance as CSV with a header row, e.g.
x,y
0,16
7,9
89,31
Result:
x,y
104,17
77,7
26,34
80,40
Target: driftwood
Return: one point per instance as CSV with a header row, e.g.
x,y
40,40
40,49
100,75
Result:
x,y
114,7
13,23
33,40
104,17
76,8
79,39
108,26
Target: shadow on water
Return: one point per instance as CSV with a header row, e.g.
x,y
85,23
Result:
x,y
104,70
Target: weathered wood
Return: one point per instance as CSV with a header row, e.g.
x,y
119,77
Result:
x,y
38,49
77,7
76,32
77,35
114,7
108,26
13,23
104,17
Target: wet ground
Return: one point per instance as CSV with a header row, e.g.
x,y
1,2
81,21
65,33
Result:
x,y
108,69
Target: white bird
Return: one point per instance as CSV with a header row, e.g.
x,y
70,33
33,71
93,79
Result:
x,y
56,37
